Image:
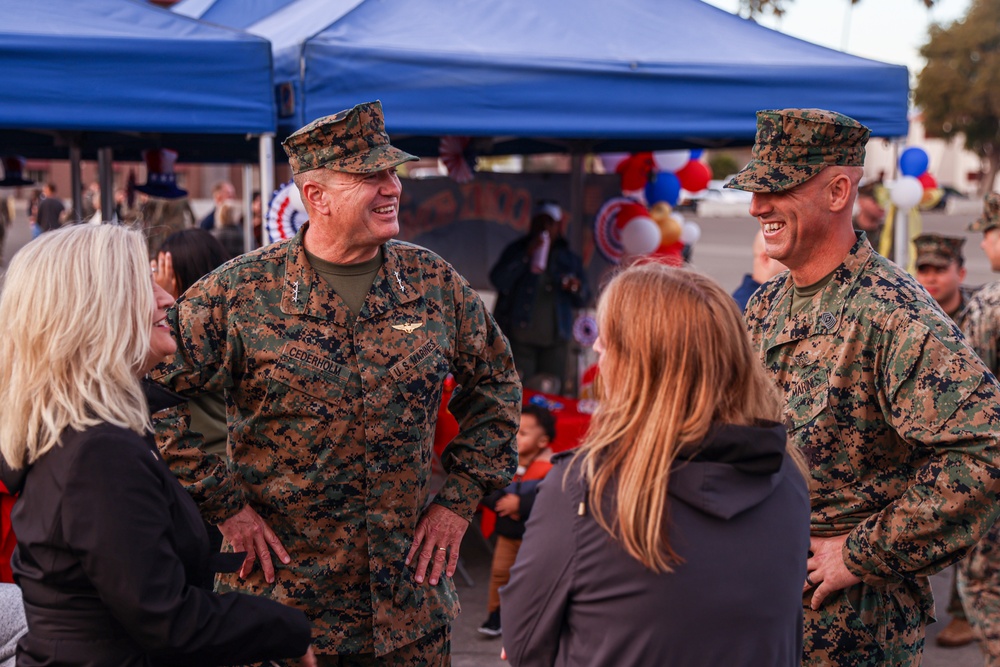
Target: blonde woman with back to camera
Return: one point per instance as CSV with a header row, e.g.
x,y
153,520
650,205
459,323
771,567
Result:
x,y
678,533
109,544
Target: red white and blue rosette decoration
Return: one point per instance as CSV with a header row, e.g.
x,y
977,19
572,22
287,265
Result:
x,y
285,213
607,235
585,330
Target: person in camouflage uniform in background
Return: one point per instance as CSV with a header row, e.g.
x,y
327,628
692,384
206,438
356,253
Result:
x,y
897,416
940,266
979,574
941,271
332,349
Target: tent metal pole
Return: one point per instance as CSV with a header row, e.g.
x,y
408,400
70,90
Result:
x,y
75,179
248,242
106,179
577,154
266,172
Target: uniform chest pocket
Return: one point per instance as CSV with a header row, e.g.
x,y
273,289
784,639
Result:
x,y
302,390
812,425
419,381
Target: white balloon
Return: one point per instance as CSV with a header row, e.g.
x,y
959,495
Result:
x,y
611,160
671,160
906,192
640,236
690,233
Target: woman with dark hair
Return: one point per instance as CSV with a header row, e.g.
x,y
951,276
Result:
x,y
186,256
182,259
678,533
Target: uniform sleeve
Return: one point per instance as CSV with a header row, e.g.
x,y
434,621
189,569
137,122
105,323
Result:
x,y
982,329
208,351
533,605
486,404
943,403
117,519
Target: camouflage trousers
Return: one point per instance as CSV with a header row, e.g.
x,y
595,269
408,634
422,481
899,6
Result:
x,y
979,587
433,650
863,626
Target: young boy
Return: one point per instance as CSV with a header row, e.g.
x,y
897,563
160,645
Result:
x,y
513,504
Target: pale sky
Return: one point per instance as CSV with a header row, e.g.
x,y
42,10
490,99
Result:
x,y
888,30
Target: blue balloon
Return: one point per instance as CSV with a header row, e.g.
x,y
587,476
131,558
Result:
x,y
913,162
666,187
696,153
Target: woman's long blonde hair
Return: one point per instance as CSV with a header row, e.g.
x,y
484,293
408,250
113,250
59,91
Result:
x,y
677,359
75,318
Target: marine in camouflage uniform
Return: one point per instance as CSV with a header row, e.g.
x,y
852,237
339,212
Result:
x,y
979,573
331,418
940,267
896,415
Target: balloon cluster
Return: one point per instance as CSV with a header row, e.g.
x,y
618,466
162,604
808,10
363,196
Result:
x,y
643,222
916,186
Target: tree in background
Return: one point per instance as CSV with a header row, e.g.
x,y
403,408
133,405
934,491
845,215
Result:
x,y
752,8
959,88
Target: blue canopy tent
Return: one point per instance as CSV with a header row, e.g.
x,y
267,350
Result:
x,y
121,76
539,74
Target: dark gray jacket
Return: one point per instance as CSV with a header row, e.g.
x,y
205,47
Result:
x,y
739,519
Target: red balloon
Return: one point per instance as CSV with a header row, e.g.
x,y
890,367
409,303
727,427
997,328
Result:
x,y
927,180
694,176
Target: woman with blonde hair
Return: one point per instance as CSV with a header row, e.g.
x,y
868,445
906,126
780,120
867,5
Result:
x,y
678,533
108,541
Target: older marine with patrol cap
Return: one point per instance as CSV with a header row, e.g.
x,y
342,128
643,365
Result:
x,y
895,413
332,349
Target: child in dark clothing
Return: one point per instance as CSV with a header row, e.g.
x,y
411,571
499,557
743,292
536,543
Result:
x,y
513,504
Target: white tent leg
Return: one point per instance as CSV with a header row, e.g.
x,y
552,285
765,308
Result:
x,y
248,242
266,172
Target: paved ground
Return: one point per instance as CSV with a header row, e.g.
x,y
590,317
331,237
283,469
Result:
x,y
723,253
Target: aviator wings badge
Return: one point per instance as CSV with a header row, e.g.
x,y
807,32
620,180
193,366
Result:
x,y
410,327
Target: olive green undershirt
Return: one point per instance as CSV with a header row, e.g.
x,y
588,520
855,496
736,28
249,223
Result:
x,y
803,295
350,281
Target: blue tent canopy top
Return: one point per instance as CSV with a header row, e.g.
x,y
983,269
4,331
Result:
x,y
111,67
611,74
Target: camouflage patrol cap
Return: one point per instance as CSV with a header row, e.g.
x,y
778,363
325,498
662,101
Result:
x,y
938,250
793,145
352,141
991,214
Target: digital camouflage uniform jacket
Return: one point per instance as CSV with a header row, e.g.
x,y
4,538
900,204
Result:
x,y
979,573
331,428
898,419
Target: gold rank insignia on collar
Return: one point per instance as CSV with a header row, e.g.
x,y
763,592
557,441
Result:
x,y
409,327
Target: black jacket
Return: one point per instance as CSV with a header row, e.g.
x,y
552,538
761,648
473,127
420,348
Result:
x,y
738,516
109,548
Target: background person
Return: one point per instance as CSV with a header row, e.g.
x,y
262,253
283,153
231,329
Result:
x,y
333,348
896,415
764,268
109,543
185,257
630,557
513,504
221,193
540,281
941,271
979,574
